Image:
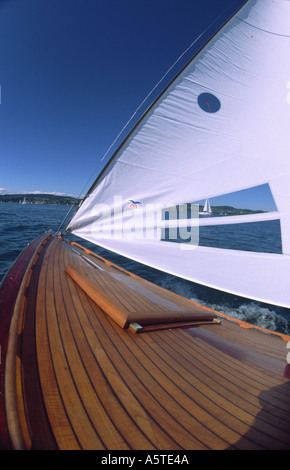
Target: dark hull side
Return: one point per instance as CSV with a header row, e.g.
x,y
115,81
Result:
x,y
72,377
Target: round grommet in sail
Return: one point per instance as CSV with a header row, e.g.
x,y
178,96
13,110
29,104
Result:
x,y
209,103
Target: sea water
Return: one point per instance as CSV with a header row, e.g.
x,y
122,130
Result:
x,y
20,224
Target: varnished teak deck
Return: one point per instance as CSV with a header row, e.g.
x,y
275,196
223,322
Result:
x,y
76,380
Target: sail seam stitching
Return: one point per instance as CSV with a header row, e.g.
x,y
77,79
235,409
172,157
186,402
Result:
x,y
264,30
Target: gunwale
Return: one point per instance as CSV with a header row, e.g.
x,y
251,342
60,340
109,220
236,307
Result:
x,y
94,385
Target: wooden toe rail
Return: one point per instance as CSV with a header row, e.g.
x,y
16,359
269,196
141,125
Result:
x,y
15,408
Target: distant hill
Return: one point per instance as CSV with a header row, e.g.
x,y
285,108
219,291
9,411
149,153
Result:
x,y
228,210
39,199
184,210
69,200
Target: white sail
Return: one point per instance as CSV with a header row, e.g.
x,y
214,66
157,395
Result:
x,y
207,207
221,126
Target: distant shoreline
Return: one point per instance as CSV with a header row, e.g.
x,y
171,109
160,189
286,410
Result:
x,y
70,200
39,199
229,210
215,210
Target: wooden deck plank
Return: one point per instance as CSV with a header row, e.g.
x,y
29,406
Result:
x,y
55,408
102,387
233,373
40,431
270,348
70,392
190,414
203,405
244,419
226,384
108,408
157,409
129,357
234,403
229,361
116,386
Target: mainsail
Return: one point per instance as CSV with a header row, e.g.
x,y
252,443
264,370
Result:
x,y
221,126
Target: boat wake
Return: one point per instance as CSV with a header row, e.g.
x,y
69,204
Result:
x,y
248,311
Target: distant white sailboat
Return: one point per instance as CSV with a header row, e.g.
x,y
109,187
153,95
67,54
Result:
x,y
24,201
206,208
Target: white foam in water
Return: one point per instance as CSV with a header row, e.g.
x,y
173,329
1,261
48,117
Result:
x,y
250,312
254,314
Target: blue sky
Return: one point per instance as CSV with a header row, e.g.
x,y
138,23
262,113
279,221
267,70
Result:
x,y
72,72
255,198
